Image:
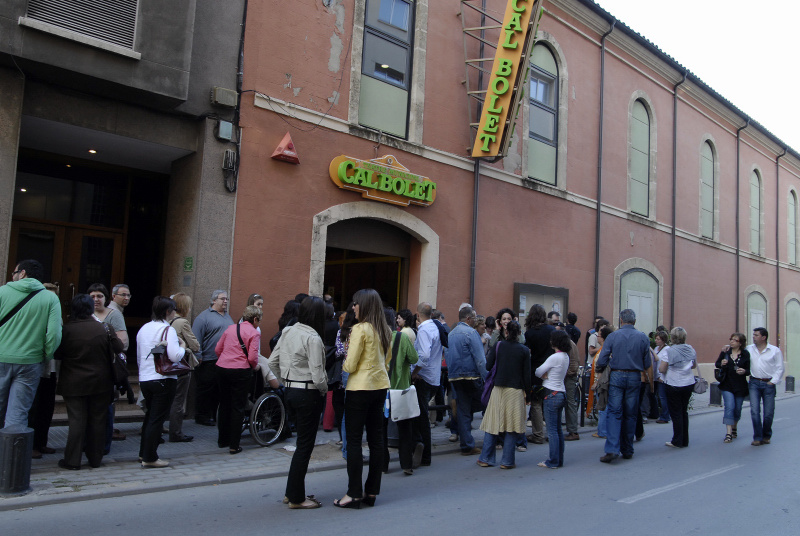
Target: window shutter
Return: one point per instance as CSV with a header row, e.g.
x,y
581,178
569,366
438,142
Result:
x,y
113,21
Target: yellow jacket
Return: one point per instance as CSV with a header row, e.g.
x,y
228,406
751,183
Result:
x,y
366,360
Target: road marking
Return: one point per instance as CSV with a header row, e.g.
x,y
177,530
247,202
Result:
x,y
670,487
781,419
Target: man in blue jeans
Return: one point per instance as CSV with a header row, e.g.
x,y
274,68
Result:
x,y
766,370
631,350
466,366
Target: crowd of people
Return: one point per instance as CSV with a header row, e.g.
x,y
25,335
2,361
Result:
x,y
343,364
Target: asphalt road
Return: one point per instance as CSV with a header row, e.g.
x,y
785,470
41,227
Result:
x,y
708,488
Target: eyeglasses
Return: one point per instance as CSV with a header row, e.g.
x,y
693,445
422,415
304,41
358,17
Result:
x,y
223,299
15,272
123,295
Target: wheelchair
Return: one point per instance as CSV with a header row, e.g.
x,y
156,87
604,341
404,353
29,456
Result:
x,y
267,421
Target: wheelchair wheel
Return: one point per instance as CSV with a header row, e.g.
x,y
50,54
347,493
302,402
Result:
x,y
267,419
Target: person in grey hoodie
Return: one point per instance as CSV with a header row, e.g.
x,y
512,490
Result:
x,y
679,380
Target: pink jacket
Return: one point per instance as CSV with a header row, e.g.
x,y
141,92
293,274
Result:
x,y
230,351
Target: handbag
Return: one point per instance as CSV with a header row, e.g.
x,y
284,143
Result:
x,y
401,404
118,361
163,365
720,374
700,385
488,383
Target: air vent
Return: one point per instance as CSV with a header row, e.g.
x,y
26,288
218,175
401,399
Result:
x,y
113,21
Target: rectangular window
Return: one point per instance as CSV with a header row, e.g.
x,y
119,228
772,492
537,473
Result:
x,y
386,66
112,21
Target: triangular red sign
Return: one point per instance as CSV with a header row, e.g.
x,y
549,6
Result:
x,y
286,151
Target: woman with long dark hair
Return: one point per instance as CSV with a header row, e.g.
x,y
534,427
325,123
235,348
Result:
x,y
366,395
552,372
85,382
299,361
537,339
158,390
405,322
734,361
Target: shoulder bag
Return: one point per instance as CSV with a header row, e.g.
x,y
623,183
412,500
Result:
x,y
118,361
488,383
19,306
401,404
700,385
163,365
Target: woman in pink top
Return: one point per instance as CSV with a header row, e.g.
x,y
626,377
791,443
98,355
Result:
x,y
237,350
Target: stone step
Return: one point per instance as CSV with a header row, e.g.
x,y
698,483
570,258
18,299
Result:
x,y
124,412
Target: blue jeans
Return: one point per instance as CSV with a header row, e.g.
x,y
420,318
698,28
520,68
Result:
x,y
18,385
733,408
662,399
553,407
602,423
762,391
623,404
488,453
467,393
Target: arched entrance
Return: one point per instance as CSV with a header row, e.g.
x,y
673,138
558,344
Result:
x,y
375,234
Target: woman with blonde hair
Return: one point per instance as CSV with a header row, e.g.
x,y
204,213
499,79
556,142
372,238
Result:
x,y
365,397
184,329
679,380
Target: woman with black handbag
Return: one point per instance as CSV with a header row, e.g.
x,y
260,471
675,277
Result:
x,y
732,369
154,338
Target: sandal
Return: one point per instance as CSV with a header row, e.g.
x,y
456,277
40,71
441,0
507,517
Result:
x,y
733,433
309,504
507,466
482,464
352,503
728,438
286,499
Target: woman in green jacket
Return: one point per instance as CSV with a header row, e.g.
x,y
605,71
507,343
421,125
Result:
x,y
399,378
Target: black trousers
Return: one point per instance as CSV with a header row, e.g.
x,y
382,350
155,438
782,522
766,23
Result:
x,y
87,417
405,445
158,396
364,410
422,427
306,404
234,386
678,403
207,391
41,414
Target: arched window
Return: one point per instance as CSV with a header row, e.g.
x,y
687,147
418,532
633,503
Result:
x,y
707,190
756,312
639,290
639,172
792,339
543,113
791,228
755,213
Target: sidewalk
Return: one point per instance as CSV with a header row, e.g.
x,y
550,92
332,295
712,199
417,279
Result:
x,y
201,463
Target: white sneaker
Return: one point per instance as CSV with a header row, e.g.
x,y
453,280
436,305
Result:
x,y
157,463
453,438
528,424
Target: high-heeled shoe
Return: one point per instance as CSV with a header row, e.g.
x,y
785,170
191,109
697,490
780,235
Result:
x,y
368,500
352,503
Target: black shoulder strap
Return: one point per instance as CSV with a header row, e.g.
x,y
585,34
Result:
x,y
395,348
241,342
19,306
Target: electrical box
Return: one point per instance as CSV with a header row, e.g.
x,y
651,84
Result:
x,y
221,96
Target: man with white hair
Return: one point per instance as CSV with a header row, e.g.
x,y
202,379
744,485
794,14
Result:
x,y
208,327
631,350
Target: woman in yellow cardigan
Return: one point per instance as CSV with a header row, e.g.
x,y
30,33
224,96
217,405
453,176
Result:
x,y
365,396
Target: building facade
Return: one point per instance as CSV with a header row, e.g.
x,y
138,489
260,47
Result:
x,y
629,182
110,157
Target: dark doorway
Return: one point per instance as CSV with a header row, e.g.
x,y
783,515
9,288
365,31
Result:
x,y
364,253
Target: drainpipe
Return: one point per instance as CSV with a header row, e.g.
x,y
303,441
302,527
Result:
x,y
674,194
738,210
231,187
600,170
777,246
477,177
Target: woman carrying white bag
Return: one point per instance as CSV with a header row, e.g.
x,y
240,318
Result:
x,y
399,361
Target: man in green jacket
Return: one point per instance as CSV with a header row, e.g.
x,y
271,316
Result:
x,y
26,339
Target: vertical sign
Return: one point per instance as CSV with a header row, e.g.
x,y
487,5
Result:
x,y
505,82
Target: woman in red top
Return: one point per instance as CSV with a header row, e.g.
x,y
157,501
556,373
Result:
x,y
235,374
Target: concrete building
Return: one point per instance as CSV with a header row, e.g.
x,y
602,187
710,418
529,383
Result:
x,y
110,165
665,198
